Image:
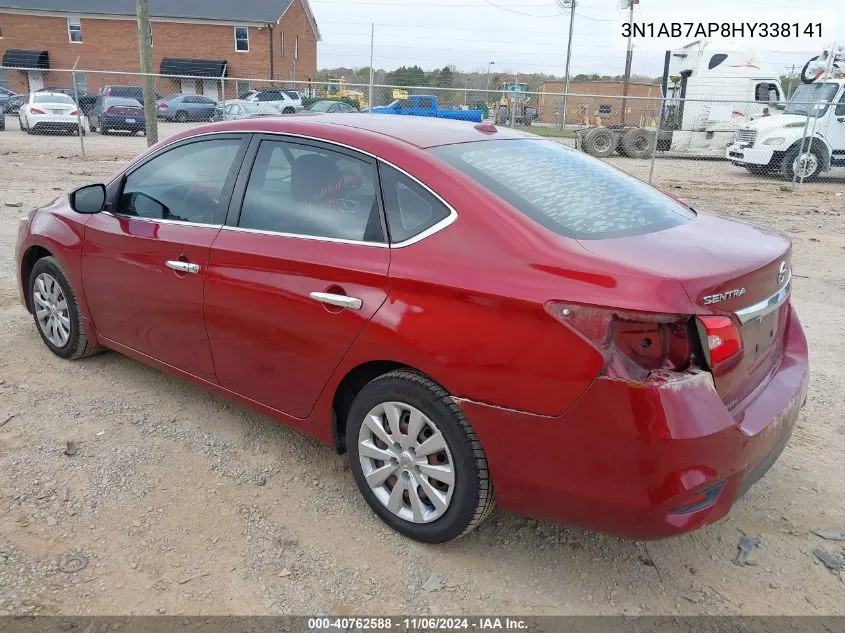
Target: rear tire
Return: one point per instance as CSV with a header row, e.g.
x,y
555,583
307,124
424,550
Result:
x,y
288,111
637,143
462,504
70,339
600,142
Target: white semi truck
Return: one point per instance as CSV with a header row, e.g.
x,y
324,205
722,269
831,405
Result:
x,y
710,90
806,140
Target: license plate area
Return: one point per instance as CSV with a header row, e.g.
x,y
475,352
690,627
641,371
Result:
x,y
762,337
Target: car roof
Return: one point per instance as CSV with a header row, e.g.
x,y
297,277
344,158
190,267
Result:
x,y
422,132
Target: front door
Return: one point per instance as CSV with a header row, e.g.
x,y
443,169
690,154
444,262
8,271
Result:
x,y
35,79
295,278
209,88
837,132
144,261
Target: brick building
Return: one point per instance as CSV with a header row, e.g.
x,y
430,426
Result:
x,y
206,39
603,99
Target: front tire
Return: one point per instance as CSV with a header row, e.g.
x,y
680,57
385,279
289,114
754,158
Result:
x,y
416,460
808,165
56,311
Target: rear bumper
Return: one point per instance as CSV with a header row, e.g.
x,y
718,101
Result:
x,y
627,456
120,123
64,124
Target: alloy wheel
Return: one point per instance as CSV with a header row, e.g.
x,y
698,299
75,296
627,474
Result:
x,y
406,462
51,309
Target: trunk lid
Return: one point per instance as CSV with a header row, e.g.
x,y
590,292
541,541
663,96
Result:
x,y
726,267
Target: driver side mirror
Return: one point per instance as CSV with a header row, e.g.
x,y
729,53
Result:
x,y
88,199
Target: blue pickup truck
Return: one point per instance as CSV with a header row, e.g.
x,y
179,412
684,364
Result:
x,y
426,105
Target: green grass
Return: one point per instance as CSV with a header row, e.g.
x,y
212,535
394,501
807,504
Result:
x,y
551,132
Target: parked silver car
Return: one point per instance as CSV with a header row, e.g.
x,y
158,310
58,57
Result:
x,y
235,110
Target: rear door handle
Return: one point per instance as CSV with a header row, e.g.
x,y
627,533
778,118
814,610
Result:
x,y
182,267
341,301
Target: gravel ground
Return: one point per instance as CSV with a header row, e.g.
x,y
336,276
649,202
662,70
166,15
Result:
x,y
176,501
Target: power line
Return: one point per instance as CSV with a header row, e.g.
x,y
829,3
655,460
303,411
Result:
x,y
509,10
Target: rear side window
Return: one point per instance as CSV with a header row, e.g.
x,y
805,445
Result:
x,y
411,209
566,191
311,191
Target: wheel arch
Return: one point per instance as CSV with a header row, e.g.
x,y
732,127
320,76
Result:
x,y
30,256
817,142
349,387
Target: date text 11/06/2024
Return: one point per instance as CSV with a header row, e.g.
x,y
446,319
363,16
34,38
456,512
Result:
x,y
721,29
416,624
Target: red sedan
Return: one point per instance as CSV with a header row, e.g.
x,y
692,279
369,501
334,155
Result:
x,y
474,314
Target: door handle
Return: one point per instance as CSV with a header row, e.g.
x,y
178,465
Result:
x,y
341,301
182,267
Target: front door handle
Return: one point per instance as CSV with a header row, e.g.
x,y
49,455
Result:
x,y
182,267
341,301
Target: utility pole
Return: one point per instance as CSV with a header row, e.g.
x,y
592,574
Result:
x,y
567,4
628,58
145,46
372,70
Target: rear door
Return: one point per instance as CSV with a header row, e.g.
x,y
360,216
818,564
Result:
x,y
144,260
298,270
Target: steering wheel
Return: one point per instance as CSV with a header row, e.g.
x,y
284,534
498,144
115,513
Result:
x,y
201,204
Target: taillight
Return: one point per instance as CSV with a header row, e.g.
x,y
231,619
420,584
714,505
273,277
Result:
x,y
36,111
112,110
163,106
74,113
723,340
632,343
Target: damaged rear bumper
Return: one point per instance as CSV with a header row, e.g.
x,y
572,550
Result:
x,y
643,460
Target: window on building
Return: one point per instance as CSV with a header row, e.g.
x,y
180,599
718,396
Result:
x,y
282,43
296,47
74,30
242,39
1,32
151,34
605,109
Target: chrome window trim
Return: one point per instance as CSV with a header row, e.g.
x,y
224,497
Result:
x,y
764,307
335,240
163,221
435,228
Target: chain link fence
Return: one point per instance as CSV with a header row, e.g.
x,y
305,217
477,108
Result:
x,y
99,115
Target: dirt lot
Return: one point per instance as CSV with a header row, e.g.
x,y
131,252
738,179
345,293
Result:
x,y
182,503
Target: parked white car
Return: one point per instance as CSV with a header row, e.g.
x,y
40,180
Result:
x,y
49,112
285,101
236,110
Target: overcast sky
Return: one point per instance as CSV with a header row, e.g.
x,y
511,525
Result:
x,y
530,35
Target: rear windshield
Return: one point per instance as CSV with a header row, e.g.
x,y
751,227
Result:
x,y
53,98
123,101
564,190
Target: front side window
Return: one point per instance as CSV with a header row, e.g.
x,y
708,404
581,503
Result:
x,y
425,103
74,30
767,92
184,183
410,208
242,39
309,191
565,191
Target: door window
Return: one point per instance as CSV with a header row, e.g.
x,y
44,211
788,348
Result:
x,y
183,184
410,208
310,191
840,109
425,103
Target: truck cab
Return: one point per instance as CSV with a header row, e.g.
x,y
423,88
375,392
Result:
x,y
773,144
